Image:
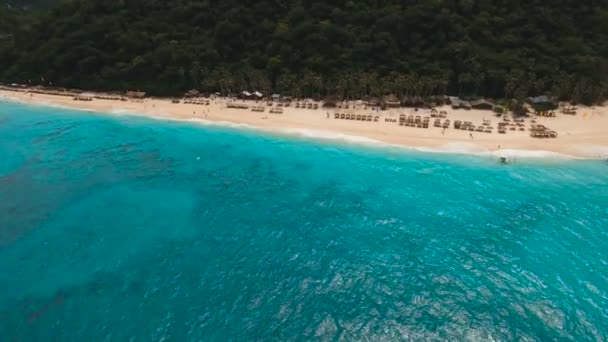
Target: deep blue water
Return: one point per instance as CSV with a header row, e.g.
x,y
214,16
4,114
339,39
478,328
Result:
x,y
123,228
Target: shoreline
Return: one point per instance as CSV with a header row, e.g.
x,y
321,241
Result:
x,y
579,137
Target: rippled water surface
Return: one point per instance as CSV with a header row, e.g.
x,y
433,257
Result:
x,y
118,228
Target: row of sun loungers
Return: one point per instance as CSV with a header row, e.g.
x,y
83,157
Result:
x,y
83,98
307,105
445,124
109,97
237,106
197,102
276,111
413,121
441,114
507,119
357,117
423,124
258,109
280,104
540,131
469,126
504,126
544,134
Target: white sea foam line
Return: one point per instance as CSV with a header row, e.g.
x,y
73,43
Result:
x,y
513,153
331,135
451,148
471,149
221,123
593,151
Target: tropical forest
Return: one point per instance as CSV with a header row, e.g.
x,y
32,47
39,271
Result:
x,y
311,48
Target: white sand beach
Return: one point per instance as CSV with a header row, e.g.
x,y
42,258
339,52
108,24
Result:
x,y
584,135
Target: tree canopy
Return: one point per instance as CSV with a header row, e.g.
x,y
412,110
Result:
x,y
491,48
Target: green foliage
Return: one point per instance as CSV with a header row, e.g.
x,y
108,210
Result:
x,y
493,48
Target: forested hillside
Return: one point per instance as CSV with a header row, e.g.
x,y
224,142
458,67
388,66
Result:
x,y
494,48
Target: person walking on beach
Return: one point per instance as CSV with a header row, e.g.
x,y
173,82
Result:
x,y
471,135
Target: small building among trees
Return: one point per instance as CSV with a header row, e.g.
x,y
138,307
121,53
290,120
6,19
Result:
x,y
543,102
482,104
390,101
460,104
245,95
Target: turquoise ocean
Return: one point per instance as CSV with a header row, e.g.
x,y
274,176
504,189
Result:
x,y
122,228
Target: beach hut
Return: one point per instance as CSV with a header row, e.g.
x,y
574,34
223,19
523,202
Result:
x,y
275,97
482,104
245,95
459,104
543,102
257,95
390,101
372,102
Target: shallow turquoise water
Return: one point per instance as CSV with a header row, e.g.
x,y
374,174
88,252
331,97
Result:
x,y
118,228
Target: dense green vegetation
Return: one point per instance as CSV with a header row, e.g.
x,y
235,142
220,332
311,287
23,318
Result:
x,y
493,48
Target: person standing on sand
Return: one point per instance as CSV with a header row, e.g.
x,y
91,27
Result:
x,y
471,135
